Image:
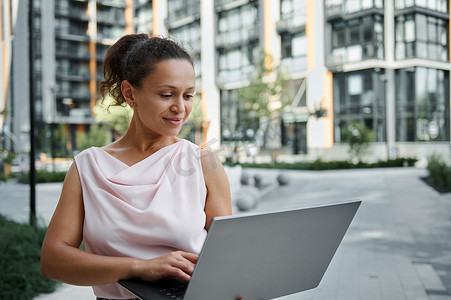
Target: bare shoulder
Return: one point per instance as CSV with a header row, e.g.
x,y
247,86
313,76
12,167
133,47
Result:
x,y
214,173
210,162
218,202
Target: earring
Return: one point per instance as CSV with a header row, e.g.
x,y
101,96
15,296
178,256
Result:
x,y
131,104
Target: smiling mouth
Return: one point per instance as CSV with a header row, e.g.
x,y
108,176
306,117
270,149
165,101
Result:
x,y
174,121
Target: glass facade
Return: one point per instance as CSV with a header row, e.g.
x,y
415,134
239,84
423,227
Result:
x,y
293,12
179,9
294,51
436,5
190,36
422,112
189,32
339,7
143,16
358,39
420,94
72,55
237,43
422,36
359,96
237,123
72,58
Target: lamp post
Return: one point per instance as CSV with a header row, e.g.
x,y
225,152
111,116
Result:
x,y
32,178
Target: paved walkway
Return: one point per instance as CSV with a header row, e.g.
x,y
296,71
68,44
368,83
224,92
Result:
x,y
397,247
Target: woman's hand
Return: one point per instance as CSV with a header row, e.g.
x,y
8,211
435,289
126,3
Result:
x,y
174,265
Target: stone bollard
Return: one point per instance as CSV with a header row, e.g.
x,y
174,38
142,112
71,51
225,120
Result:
x,y
247,198
283,179
244,178
258,181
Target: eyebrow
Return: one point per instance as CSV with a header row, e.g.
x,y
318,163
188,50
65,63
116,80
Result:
x,y
174,87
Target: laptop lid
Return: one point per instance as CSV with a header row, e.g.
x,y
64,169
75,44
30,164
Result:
x,y
265,255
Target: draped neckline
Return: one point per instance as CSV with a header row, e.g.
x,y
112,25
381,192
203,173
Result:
x,y
142,160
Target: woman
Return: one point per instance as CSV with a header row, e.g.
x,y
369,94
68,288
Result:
x,y
142,205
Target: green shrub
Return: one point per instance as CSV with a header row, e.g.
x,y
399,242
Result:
x,y
439,172
20,248
43,176
320,164
359,138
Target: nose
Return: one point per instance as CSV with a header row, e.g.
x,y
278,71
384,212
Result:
x,y
178,106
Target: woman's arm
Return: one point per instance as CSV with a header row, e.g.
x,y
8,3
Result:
x,y
218,201
62,260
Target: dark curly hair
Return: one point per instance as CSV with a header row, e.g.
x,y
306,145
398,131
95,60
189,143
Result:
x,y
133,57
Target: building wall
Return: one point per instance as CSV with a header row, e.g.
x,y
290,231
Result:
x,y
19,81
6,38
390,65
327,79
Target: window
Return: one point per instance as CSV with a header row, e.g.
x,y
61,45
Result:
x,y
143,19
236,64
293,11
435,5
354,32
235,121
422,112
294,52
178,9
237,41
357,39
359,96
238,25
418,35
188,34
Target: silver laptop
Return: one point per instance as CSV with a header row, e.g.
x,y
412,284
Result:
x,y
260,255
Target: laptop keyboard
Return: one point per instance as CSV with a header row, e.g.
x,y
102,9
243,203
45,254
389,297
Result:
x,y
174,292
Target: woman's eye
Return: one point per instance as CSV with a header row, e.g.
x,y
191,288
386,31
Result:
x,y
166,95
189,97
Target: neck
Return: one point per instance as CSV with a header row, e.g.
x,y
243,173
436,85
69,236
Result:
x,y
144,141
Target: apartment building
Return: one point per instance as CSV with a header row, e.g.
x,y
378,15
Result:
x,y
390,66
227,39
385,63
70,39
14,75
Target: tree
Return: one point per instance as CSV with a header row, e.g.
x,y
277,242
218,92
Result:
x,y
58,140
264,101
192,129
96,137
359,138
266,94
117,117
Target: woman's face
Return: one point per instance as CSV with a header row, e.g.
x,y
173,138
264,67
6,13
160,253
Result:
x,y
165,99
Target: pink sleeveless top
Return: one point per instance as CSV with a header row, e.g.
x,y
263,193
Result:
x,y
145,210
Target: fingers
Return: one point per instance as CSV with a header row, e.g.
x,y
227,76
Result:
x,y
189,256
178,264
182,265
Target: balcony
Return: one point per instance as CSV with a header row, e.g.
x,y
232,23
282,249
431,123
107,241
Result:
x,y
291,24
77,34
72,13
355,53
80,54
188,13
80,77
231,39
111,17
295,64
334,10
345,8
221,5
114,3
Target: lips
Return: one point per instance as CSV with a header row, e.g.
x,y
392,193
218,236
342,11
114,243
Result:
x,y
174,121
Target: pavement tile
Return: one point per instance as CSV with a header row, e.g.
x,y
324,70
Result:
x,y
429,277
398,246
